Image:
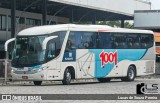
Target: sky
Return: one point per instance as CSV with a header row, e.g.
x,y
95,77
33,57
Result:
x,y
155,4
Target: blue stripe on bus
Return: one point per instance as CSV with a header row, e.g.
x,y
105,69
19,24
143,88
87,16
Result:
x,y
34,67
123,54
37,67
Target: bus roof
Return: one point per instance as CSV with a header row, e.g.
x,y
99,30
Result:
x,y
47,29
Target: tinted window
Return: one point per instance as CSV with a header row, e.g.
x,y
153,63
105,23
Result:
x,y
133,41
9,23
59,41
105,40
27,22
88,40
51,22
38,22
81,40
2,22
71,43
120,41
33,21
20,20
146,40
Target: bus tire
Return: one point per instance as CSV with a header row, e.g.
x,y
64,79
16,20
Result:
x,y
37,82
103,80
67,77
131,74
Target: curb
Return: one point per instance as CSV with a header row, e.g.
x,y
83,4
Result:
x,y
153,76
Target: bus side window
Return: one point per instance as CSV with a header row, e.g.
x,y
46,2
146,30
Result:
x,y
146,40
120,40
69,45
133,41
59,40
88,40
105,40
81,40
71,42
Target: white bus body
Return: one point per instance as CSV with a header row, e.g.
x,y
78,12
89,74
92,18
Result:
x,y
68,51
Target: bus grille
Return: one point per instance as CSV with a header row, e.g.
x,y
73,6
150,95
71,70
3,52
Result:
x,y
24,72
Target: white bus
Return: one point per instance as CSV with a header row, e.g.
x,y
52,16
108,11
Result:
x,y
69,51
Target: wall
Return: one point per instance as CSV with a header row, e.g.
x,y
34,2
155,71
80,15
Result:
x,y
147,19
5,35
125,7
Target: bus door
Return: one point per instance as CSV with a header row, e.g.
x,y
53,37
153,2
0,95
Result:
x,y
78,44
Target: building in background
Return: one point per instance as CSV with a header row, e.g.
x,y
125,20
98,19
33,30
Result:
x,y
16,15
150,20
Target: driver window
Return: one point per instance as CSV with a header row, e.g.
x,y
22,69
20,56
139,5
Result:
x,y
51,53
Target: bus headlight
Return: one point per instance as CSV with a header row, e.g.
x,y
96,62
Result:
x,y
13,71
41,69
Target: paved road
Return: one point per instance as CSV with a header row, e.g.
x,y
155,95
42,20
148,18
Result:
x,y
78,87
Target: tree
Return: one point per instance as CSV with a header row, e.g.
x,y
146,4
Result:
x,y
115,24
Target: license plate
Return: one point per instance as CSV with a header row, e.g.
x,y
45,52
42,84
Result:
x,y
24,77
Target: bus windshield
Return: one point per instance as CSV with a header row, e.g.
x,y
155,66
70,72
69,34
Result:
x,y
28,51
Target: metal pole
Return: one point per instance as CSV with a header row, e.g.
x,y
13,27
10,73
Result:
x,y
72,16
94,19
13,8
44,12
122,23
6,65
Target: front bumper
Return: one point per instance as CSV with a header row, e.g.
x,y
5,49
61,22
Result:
x,y
28,77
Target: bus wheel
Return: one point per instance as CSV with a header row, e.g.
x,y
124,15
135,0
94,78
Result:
x,y
103,80
131,74
37,82
67,77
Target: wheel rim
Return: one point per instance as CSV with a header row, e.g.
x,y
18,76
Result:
x,y
131,73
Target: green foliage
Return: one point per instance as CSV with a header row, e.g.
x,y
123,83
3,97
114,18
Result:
x,y
128,25
115,24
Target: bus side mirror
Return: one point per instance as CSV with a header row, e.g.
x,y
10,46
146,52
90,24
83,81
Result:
x,y
9,47
7,43
46,40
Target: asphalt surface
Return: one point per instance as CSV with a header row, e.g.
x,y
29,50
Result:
x,y
116,86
